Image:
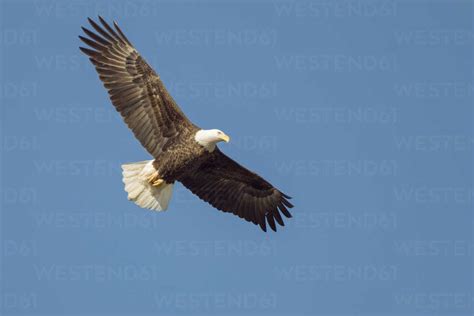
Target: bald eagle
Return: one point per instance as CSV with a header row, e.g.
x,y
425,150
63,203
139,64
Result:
x,y
181,150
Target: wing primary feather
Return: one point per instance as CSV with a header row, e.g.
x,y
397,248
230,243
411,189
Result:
x,y
268,207
95,36
278,218
262,223
247,209
287,196
92,43
89,52
110,30
239,199
260,217
288,204
284,210
101,30
271,221
121,34
250,211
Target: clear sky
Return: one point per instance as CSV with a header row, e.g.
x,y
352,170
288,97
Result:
x,y
360,110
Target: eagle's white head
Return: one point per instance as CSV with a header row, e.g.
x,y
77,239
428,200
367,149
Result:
x,y
208,138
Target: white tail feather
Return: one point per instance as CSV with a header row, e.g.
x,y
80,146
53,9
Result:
x,y
141,192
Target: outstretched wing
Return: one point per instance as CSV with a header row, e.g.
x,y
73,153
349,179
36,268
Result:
x,y
229,187
134,88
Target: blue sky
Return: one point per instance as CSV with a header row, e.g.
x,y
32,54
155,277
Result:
x,y
360,110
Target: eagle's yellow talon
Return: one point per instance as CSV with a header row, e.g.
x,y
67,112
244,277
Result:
x,y
158,182
151,178
154,179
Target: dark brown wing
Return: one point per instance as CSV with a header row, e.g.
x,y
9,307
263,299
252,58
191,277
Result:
x,y
134,88
229,187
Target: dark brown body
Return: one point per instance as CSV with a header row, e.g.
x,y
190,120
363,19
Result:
x,y
180,157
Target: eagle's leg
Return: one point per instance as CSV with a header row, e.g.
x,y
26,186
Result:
x,y
154,179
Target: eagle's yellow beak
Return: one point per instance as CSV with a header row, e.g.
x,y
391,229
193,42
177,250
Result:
x,y
225,138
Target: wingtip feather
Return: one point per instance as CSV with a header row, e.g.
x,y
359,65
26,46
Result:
x,y
262,224
286,196
88,52
271,221
284,210
277,216
287,203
